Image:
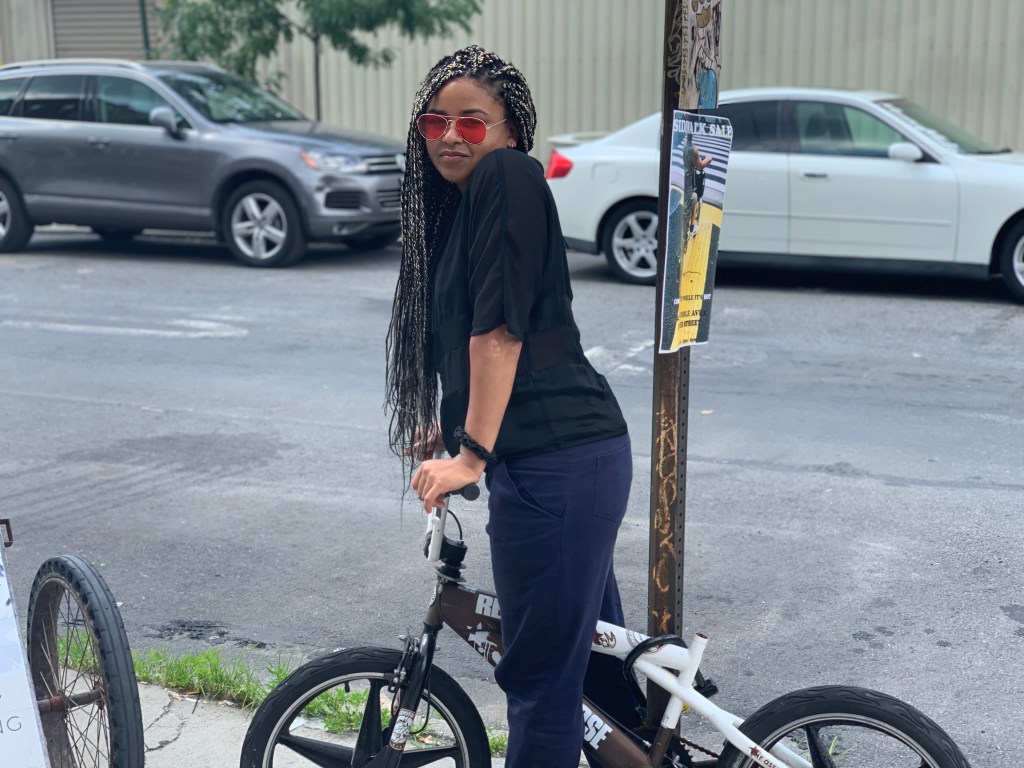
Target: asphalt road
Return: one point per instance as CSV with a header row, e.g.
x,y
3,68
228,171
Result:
x,y
212,437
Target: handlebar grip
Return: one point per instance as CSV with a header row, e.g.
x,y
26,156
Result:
x,y
469,492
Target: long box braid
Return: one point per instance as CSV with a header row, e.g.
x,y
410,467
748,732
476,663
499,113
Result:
x,y
428,205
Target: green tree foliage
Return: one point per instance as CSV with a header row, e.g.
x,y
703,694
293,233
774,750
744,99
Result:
x,y
237,34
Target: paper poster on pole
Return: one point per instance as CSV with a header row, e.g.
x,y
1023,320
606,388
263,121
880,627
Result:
x,y
21,737
700,158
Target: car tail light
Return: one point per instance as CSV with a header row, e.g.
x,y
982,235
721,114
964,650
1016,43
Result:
x,y
558,166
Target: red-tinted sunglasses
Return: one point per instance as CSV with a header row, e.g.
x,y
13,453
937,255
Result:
x,y
472,129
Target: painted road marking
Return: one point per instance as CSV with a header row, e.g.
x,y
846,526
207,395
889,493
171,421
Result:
x,y
181,329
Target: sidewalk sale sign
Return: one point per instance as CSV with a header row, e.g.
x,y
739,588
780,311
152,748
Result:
x,y
700,157
21,737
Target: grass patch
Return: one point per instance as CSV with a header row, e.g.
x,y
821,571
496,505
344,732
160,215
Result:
x,y
209,675
498,742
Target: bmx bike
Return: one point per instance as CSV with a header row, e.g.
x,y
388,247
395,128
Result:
x,y
81,677
400,710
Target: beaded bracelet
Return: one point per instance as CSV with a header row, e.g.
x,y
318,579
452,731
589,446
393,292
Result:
x,y
474,447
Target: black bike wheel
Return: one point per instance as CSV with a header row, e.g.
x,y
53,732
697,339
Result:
x,y
336,711
850,727
82,670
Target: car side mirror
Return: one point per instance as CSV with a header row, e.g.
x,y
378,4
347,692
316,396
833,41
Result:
x,y
165,118
904,150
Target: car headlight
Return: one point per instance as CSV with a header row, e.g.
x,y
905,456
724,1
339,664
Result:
x,y
320,161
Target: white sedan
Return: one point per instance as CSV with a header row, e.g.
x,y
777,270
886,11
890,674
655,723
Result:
x,y
847,179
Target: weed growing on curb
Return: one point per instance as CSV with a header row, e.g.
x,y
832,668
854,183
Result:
x,y
209,675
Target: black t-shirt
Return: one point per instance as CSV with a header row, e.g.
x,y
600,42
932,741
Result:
x,y
504,264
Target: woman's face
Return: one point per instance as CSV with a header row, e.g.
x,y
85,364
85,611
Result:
x,y
454,157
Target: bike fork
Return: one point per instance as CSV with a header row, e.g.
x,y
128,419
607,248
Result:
x,y
410,680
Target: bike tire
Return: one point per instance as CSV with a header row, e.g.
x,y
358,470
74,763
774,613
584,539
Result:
x,y
872,729
283,719
80,660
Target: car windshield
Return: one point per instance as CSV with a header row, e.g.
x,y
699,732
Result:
x,y
943,131
225,98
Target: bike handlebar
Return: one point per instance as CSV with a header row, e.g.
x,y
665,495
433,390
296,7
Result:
x,y
437,519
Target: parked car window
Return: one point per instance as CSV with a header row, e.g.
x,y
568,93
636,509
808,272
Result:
x,y
834,129
224,98
54,97
946,133
127,102
755,125
9,92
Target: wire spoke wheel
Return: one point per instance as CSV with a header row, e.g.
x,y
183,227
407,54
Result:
x,y
338,711
81,669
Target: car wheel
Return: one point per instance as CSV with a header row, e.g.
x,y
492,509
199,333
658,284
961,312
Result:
x,y
116,235
1011,261
631,242
15,225
373,243
262,227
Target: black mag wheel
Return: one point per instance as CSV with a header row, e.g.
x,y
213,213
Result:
x,y
81,668
834,726
336,711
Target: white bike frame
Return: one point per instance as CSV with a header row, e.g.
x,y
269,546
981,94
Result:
x,y
657,664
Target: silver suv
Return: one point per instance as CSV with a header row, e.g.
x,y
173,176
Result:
x,y
122,146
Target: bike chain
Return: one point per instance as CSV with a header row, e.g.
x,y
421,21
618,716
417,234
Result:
x,y
692,746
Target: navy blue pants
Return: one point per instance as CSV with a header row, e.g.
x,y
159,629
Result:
x,y
553,522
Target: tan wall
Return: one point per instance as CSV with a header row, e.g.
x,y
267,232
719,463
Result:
x,y
591,64
26,30
963,59
596,64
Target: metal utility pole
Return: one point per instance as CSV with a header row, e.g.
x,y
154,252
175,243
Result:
x,y
145,29
691,66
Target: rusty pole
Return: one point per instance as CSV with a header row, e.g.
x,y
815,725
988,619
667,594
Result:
x,y
692,35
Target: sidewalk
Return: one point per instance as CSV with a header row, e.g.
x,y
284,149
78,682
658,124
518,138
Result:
x,y
183,732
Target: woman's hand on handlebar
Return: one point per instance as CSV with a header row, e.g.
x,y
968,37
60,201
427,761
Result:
x,y
436,477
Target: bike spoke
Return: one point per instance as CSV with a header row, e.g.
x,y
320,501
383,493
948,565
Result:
x,y
820,757
321,753
371,732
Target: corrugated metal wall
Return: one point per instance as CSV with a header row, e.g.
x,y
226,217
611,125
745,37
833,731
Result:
x,y
591,64
963,59
26,30
595,64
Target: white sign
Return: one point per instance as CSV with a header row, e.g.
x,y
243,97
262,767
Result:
x,y
21,734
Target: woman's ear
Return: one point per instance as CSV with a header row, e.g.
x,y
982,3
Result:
x,y
513,138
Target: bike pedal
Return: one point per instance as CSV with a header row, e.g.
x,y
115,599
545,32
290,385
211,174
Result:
x,y
706,687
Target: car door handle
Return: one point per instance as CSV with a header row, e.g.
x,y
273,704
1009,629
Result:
x,y
8,137
99,143
814,175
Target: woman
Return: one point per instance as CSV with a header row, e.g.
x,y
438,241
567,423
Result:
x,y
483,302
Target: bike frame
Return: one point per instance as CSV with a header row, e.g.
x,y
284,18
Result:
x,y
475,616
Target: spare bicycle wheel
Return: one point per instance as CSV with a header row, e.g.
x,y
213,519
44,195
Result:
x,y
81,667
